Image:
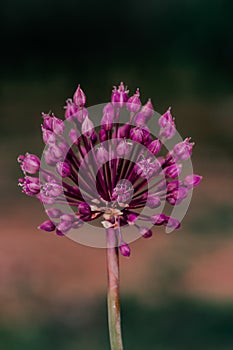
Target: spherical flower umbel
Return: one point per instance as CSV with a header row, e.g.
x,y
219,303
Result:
x,y
111,172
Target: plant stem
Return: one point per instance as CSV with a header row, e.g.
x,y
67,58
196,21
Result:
x,y
114,318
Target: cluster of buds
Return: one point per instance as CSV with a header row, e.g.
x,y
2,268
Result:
x,y
122,170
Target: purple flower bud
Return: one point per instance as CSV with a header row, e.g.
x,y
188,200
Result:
x,y
109,109
64,226
81,114
148,109
67,217
172,222
173,185
102,135
140,119
77,223
47,121
124,249
158,219
74,136
107,121
166,119
123,148
63,169
176,196
102,155
79,97
70,109
139,134
47,225
93,138
167,125
115,96
59,233
192,180
132,217
45,199
124,130
133,104
84,208
145,232
120,96
173,170
30,185
54,213
153,202
87,127
48,136
183,150
29,163
51,125
53,154
154,147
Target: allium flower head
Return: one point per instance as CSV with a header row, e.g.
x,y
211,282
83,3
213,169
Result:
x,y
110,168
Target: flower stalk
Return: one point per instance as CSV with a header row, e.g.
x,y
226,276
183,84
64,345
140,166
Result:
x,y
114,318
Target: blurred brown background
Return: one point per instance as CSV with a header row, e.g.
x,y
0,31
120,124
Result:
x,y
177,290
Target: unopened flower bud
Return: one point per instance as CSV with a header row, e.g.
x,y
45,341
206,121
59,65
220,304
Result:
x,y
107,121
124,249
70,109
63,169
147,109
183,150
153,202
177,196
133,104
120,96
192,180
158,219
123,148
139,135
30,163
132,217
140,119
154,147
145,232
53,124
102,135
172,222
47,225
109,109
102,155
74,136
173,185
54,213
124,130
64,226
173,170
81,114
87,127
79,97
84,208
167,125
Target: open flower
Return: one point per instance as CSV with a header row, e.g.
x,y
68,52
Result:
x,y
122,170
112,174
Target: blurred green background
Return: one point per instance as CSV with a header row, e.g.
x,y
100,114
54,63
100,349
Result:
x,y
177,291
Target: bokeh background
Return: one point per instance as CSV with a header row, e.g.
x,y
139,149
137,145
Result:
x,y
177,290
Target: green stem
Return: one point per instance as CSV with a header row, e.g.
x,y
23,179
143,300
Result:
x,y
114,318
